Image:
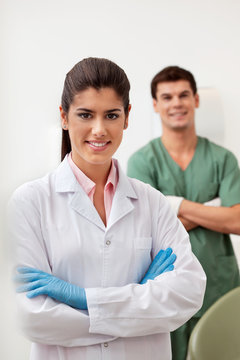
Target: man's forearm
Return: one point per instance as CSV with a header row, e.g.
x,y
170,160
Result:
x,y
220,219
189,225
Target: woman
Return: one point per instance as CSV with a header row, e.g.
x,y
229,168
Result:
x,y
86,235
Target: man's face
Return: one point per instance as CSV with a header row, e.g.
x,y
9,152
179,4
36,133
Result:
x,y
176,104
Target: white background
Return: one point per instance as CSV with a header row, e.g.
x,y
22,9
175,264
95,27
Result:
x,y
42,39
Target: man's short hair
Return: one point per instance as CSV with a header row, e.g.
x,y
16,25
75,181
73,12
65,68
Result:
x,y
171,74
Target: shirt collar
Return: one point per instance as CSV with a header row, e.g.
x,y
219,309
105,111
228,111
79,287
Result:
x,y
86,183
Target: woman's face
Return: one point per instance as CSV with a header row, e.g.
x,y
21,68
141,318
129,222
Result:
x,y
95,121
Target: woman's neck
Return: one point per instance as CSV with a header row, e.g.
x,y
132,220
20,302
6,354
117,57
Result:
x,y
98,173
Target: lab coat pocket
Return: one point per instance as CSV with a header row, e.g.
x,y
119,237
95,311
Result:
x,y
142,249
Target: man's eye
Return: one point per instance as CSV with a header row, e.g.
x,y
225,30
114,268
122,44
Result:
x,y
112,116
167,98
84,115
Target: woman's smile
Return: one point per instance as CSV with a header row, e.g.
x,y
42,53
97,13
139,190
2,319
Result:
x,y
98,145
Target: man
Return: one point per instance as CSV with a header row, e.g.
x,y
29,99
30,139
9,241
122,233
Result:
x,y
202,182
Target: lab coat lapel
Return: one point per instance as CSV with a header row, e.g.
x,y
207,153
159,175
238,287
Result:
x,y
79,201
122,200
82,204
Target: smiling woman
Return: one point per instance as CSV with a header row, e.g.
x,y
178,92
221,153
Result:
x,y
95,250
95,122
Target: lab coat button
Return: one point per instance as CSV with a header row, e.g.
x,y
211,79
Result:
x,y
108,242
105,344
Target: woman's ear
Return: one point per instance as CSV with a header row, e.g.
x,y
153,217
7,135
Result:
x,y
126,120
63,118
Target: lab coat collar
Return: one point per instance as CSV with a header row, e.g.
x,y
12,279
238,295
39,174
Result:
x,y
67,182
121,205
65,178
124,187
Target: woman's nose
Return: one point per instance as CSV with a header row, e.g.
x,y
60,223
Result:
x,y
99,128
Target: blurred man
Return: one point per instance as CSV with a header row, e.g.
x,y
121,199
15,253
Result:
x,y
202,183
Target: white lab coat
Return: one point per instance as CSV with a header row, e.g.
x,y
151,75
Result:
x,y
57,229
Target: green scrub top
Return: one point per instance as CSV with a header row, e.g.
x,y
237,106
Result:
x,y
213,172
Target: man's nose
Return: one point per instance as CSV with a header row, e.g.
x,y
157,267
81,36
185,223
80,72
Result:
x,y
176,101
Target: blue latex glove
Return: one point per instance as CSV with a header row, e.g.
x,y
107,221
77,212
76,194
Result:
x,y
162,262
41,283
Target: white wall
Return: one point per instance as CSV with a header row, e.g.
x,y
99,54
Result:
x,y
43,39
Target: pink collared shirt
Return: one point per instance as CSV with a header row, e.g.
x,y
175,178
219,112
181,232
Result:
x,y
89,186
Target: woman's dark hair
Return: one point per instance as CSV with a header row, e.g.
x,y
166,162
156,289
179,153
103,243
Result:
x,y
170,74
96,73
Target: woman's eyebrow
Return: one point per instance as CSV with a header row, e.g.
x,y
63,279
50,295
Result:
x,y
83,109
111,110
91,111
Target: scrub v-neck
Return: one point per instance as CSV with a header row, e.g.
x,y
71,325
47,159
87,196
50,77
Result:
x,y
173,161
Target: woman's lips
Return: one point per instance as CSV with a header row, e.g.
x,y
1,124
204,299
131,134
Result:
x,y
98,145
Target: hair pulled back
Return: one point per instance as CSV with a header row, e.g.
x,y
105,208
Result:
x,y
96,73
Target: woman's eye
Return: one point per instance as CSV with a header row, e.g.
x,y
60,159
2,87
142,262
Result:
x,y
112,116
85,115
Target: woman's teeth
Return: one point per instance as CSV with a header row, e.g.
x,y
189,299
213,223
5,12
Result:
x,y
97,144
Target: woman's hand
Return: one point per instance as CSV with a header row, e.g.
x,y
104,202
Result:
x,y
162,262
40,283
